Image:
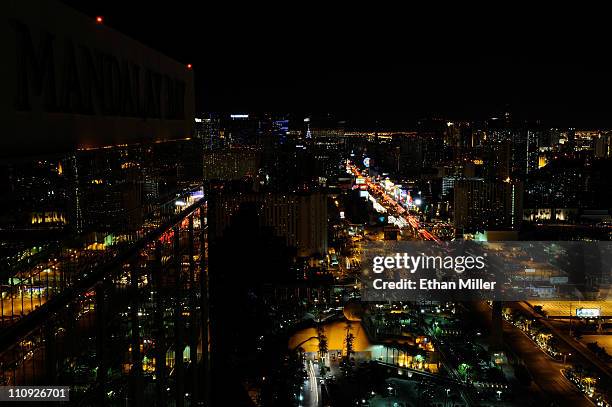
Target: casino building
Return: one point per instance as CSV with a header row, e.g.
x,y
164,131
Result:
x,y
102,223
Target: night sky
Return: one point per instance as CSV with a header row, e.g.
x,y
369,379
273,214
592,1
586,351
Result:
x,y
316,61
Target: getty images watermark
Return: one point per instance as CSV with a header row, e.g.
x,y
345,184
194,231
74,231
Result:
x,y
411,264
469,270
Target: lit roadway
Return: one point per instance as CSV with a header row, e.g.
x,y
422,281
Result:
x,y
565,308
577,346
311,386
393,204
545,371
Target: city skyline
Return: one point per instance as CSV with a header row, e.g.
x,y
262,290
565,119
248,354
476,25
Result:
x,y
202,209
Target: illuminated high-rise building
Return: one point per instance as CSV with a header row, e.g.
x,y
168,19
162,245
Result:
x,y
207,128
231,163
487,205
301,219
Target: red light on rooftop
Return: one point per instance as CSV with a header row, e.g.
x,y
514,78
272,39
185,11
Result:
x,y
99,20
189,66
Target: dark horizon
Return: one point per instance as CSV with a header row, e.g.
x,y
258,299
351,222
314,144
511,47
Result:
x,y
266,206
258,64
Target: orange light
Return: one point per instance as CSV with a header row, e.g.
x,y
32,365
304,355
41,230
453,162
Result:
x,y
189,66
99,20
